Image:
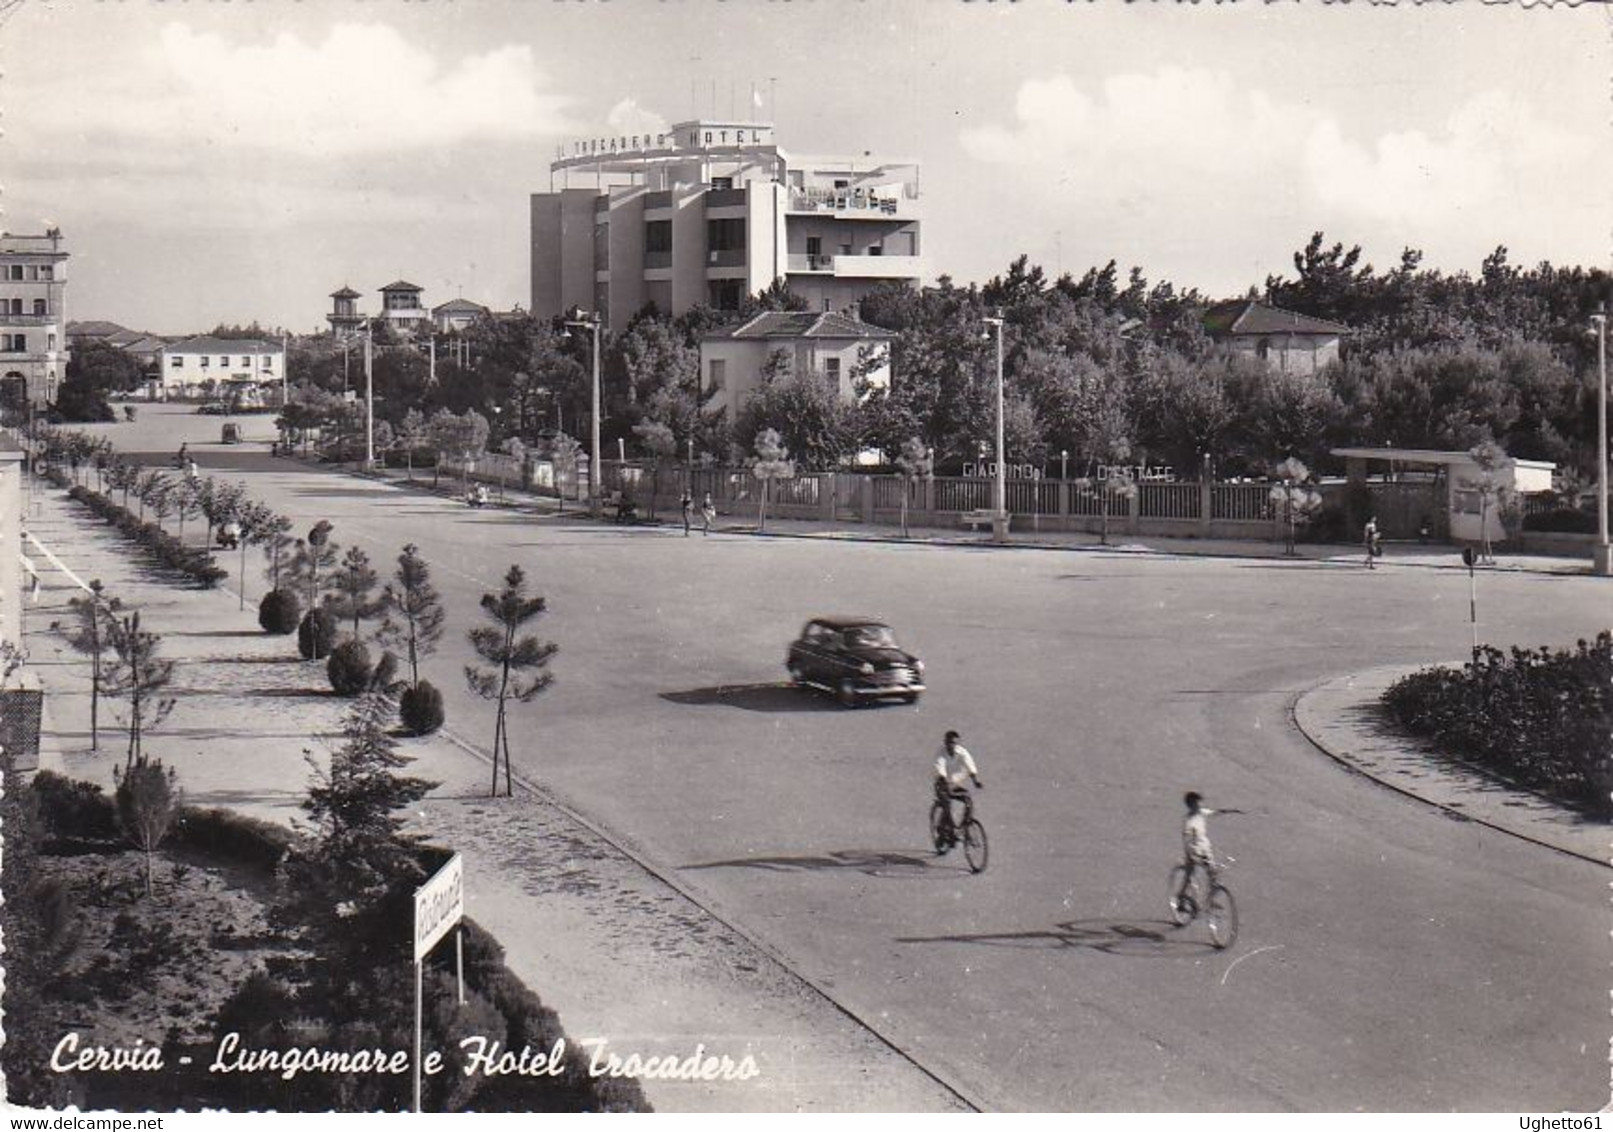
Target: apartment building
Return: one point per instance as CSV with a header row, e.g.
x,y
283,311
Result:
x,y
33,313
211,367
711,211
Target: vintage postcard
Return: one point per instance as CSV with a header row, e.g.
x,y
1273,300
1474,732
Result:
x,y
805,557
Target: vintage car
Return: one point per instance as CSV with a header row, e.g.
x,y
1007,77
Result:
x,y
856,658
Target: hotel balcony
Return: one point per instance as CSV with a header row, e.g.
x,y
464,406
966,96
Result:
x,y
856,204
856,266
29,319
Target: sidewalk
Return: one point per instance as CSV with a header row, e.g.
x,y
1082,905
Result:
x,y
1341,717
618,952
744,522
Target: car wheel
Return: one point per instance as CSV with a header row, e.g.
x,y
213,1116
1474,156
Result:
x,y
911,698
848,693
795,675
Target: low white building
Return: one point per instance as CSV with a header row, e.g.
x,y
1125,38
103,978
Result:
x,y
732,360
205,366
1472,495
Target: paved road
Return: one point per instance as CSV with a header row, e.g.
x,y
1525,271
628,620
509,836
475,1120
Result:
x,y
1390,958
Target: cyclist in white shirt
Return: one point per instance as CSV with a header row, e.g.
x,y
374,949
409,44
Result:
x,y
953,766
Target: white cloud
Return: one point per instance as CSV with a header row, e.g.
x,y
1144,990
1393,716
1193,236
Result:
x,y
363,89
627,117
1494,153
1191,164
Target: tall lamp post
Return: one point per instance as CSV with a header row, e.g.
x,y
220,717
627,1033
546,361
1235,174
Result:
x,y
999,495
1602,562
369,396
590,320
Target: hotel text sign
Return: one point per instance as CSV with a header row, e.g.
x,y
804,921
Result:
x,y
439,904
693,138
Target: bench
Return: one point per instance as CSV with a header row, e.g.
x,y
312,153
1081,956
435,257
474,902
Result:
x,y
977,518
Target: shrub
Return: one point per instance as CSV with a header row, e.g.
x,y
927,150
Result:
x,y
421,709
1540,719
70,808
349,668
316,634
278,612
225,833
164,547
1565,520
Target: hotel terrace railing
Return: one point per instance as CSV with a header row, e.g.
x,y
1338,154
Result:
x,y
862,202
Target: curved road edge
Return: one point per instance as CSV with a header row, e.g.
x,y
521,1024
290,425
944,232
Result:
x,y
1341,719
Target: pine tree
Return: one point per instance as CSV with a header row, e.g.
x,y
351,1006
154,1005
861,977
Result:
x,y
516,665
415,615
140,674
353,584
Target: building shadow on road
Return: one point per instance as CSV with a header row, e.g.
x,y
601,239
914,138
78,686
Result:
x,y
890,863
773,697
1147,939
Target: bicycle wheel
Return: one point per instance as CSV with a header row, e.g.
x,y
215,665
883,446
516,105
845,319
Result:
x,y
974,846
1223,918
938,813
1180,895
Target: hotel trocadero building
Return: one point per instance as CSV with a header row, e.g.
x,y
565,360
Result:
x,y
708,212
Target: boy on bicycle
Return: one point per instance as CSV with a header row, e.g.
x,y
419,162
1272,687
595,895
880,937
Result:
x,y
952,766
1196,839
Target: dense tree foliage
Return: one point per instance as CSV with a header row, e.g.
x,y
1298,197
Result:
x,y
1093,364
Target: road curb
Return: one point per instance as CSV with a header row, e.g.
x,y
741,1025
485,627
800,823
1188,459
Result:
x,y
1450,788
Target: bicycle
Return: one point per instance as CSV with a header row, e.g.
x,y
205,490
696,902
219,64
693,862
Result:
x,y
944,834
1188,900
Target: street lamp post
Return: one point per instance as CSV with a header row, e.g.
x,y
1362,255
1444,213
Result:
x,y
999,497
1602,561
590,320
369,397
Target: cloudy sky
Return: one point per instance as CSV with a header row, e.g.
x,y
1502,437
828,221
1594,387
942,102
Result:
x,y
235,161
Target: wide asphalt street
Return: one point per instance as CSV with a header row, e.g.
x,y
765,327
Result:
x,y
1390,958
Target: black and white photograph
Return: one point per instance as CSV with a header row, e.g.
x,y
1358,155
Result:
x,y
815,557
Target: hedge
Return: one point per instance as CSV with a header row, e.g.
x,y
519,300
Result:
x,y
1534,717
164,547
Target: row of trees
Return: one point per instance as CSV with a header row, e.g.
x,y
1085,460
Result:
x,y
1097,367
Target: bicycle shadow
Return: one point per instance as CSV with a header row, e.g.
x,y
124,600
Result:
x,y
1143,939
884,863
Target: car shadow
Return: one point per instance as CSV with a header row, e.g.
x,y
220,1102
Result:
x,y
1147,939
778,697
888,863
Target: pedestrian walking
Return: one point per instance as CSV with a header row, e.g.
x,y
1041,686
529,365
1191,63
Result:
x,y
1373,542
686,504
708,512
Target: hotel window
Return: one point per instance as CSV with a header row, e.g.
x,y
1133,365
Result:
x,y
39,306
726,235
831,366
205,361
720,183
177,361
33,273
268,361
47,272
719,371
658,235
19,343
15,273
50,342
246,363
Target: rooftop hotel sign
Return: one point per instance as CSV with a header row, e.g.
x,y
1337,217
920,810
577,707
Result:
x,y
679,139
439,904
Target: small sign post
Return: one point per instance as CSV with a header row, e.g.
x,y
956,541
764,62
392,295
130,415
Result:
x,y
1472,600
439,905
